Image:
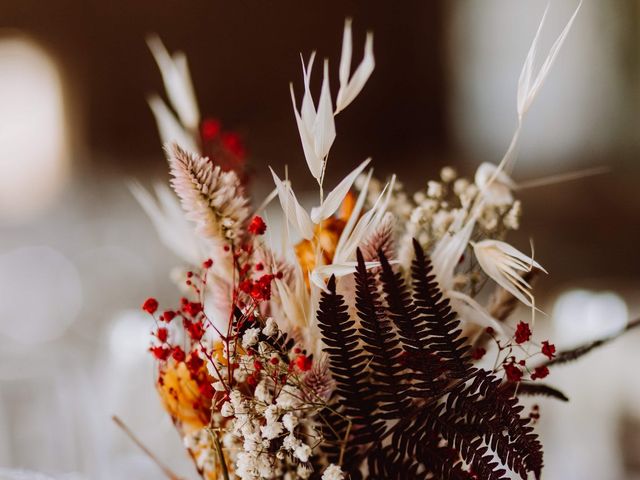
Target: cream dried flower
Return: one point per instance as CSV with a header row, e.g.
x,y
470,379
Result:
x,y
502,263
212,198
333,472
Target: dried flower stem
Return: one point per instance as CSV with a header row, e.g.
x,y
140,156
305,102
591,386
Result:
x,y
343,447
166,470
223,463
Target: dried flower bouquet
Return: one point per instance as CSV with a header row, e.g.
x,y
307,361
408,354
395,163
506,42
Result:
x,y
359,348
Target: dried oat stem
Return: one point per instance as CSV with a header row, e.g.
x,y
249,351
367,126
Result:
x,y
166,470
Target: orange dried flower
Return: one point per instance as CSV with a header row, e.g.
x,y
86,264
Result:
x,y
180,395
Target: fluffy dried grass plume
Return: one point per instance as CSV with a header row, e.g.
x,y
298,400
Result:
x,y
212,198
381,240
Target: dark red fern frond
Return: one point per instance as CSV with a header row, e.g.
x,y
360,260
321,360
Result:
x,y
418,355
413,402
381,342
445,337
347,363
494,415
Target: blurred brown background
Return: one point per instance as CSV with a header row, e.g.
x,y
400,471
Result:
x,y
77,255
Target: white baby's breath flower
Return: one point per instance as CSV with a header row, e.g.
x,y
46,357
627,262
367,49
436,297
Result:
x,y
290,442
272,414
226,410
235,397
498,191
333,472
290,421
218,386
418,215
489,219
250,337
262,393
512,219
302,452
434,189
252,442
429,207
265,467
469,194
441,222
246,466
263,349
272,430
249,429
502,262
448,174
460,185
240,375
270,328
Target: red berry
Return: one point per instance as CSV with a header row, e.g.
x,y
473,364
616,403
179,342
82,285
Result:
x,y
548,349
168,315
257,226
150,305
161,353
162,334
523,333
207,263
178,354
210,128
303,362
478,353
192,308
540,372
194,364
232,142
514,374
194,329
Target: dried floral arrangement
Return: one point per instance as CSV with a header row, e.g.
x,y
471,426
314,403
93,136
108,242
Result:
x,y
359,348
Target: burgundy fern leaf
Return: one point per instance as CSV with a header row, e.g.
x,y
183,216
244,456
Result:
x,y
418,354
408,399
445,337
347,364
381,342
